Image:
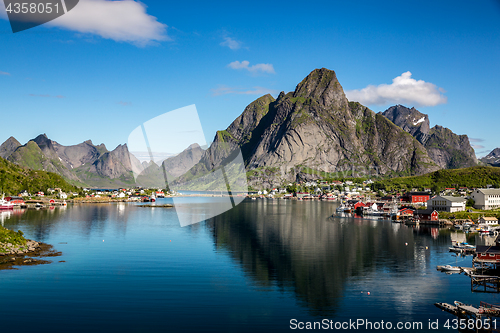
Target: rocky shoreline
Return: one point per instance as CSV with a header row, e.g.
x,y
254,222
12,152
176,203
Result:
x,y
10,249
26,255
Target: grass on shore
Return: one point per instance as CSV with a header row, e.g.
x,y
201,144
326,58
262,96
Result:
x,y
475,214
9,236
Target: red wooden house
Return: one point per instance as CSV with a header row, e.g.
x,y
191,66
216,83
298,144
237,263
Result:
x,y
426,215
359,204
488,254
405,211
416,197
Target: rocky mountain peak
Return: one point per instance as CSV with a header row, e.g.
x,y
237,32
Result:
x,y
494,153
323,86
445,148
8,147
250,118
42,139
411,120
312,131
493,158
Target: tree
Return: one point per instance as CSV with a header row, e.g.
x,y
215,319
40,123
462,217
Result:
x,y
436,189
470,202
291,188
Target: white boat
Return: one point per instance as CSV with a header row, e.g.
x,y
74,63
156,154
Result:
x,y
341,209
4,204
462,247
372,212
449,268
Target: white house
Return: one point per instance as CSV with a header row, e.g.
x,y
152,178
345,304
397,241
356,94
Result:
x,y
63,195
443,203
487,220
486,198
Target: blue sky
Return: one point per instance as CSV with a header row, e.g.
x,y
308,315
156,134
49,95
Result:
x,y
106,67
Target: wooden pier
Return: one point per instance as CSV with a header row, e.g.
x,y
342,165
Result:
x,y
485,312
485,283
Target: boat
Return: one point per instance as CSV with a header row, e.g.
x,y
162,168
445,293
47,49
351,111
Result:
x,y
462,247
341,209
4,204
449,268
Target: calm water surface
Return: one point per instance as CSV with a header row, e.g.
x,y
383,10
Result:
x,y
251,269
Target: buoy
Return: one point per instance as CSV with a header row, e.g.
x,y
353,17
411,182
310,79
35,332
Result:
x,y
406,244
170,240
103,240
426,247
368,293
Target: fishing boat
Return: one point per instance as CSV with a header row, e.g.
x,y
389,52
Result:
x,y
4,204
462,247
449,268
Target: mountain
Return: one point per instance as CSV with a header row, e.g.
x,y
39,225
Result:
x,y
449,150
445,148
411,120
14,179
493,158
80,154
8,147
181,163
311,133
84,164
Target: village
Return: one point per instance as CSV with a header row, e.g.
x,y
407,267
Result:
x,y
465,208
56,197
474,209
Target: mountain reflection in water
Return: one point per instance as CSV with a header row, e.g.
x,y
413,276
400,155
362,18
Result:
x,y
298,246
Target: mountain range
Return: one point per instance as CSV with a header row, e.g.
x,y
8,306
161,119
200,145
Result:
x,y
315,132
86,164
310,133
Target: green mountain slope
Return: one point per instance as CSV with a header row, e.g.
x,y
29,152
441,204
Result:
x,y
14,179
478,176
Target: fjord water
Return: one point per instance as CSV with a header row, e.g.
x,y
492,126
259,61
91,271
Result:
x,y
254,268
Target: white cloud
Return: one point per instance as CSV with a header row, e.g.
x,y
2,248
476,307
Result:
x,y
224,90
264,68
4,73
121,21
478,146
476,140
403,90
233,44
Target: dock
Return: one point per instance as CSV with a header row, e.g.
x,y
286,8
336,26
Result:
x,y
485,283
485,312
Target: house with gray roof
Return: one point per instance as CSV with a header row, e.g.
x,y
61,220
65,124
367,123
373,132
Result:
x,y
446,203
486,198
